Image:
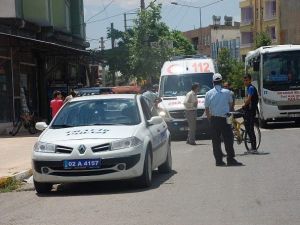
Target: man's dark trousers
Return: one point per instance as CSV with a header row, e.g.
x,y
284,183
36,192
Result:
x,y
220,127
249,125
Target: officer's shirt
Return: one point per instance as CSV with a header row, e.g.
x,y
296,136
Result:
x,y
218,100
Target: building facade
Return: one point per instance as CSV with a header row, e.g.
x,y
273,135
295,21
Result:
x,y
42,49
278,18
209,40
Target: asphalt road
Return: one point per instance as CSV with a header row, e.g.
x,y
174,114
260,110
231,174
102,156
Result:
x,y
264,191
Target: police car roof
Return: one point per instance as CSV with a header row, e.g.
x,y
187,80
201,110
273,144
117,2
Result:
x,y
104,96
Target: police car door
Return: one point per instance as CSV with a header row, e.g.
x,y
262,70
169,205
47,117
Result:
x,y
155,132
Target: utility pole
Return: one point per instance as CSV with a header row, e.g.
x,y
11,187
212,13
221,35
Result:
x,y
112,35
142,4
101,44
112,47
125,22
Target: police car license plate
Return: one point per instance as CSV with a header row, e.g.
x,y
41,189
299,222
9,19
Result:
x,y
82,164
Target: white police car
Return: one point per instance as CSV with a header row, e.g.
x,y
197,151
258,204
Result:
x,y
104,137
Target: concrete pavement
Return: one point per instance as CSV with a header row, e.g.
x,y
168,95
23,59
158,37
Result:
x,y
15,156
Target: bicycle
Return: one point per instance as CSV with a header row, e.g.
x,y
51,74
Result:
x,y
239,131
28,121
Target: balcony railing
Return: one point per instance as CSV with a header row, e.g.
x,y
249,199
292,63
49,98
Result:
x,y
246,22
270,16
246,45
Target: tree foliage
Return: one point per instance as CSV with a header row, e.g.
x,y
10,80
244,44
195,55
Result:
x,y
231,69
262,39
141,51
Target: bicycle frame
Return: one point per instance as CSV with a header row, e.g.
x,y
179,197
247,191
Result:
x,y
237,132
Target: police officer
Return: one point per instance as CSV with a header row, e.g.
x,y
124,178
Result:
x,y
218,102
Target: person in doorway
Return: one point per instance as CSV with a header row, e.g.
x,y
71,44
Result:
x,y
218,102
151,97
70,96
190,103
250,108
56,103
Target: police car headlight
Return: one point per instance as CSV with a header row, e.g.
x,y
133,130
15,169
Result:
x,y
125,143
44,147
162,113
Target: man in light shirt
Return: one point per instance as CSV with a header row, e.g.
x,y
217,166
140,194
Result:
x,y
191,103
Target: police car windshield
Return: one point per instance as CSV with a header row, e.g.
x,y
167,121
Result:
x,y
179,85
98,112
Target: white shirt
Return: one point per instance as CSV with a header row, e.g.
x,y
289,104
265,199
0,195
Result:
x,y
191,101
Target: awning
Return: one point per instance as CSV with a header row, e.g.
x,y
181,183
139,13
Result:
x,y
48,48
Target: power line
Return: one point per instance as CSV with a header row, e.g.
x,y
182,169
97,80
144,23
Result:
x,y
103,10
119,14
183,16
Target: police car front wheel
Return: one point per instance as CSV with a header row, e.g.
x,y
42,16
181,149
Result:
x,y
146,179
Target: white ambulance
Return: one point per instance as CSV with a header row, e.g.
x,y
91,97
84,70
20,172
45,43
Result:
x,y
177,77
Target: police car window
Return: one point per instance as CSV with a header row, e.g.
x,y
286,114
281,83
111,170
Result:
x,y
146,110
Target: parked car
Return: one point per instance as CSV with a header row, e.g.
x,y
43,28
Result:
x,y
101,137
93,91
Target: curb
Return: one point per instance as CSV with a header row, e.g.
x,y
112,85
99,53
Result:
x,y
18,176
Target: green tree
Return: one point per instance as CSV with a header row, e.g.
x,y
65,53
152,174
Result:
x,y
231,69
153,43
262,39
118,58
141,51
236,75
224,62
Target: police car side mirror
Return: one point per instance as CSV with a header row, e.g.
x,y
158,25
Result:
x,y
41,126
155,120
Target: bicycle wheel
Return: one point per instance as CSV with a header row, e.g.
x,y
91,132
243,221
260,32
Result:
x,y
258,138
16,128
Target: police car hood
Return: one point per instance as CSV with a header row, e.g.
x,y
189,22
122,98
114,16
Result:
x,y
88,132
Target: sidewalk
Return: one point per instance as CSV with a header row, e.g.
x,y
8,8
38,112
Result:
x,y
15,154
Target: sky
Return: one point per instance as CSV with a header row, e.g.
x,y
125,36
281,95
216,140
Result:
x,y
99,14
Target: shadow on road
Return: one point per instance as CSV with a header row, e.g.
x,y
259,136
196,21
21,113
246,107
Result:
x,y
282,125
249,154
183,137
108,187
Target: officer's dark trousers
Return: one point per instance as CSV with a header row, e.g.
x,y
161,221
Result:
x,y
249,125
220,127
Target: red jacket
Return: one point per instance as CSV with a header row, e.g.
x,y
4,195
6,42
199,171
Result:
x,y
55,105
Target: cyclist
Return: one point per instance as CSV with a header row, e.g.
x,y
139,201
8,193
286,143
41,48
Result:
x,y
250,108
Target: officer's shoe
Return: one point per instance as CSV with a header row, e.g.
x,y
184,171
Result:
x,y
221,163
233,162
